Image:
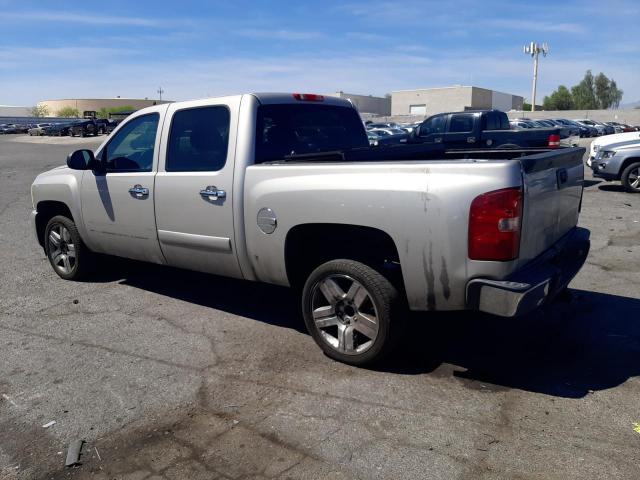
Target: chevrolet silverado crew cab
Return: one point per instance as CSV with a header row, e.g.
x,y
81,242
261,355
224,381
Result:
x,y
487,129
284,189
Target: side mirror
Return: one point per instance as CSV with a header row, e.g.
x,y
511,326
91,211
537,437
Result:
x,y
81,160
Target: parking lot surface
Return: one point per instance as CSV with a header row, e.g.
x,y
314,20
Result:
x,y
179,375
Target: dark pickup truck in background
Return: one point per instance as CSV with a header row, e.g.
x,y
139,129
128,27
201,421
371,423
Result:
x,y
485,129
83,128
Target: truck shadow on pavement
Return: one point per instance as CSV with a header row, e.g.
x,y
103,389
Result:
x,y
585,342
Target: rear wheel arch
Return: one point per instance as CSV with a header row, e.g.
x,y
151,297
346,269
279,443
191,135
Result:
x,y
309,245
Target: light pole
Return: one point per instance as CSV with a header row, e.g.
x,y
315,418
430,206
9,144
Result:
x,y
534,50
160,92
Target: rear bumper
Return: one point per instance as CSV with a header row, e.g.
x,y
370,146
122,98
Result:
x,y
538,282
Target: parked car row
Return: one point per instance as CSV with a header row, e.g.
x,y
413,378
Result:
x,y
72,127
389,133
585,126
82,128
7,128
478,129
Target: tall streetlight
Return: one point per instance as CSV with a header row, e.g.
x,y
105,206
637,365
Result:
x,y
534,50
160,92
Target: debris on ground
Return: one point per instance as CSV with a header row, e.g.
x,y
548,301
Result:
x,y
49,424
73,453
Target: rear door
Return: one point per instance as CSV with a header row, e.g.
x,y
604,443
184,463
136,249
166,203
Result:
x,y
460,131
194,194
553,193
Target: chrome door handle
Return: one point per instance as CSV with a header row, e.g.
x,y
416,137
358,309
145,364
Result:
x,y
212,193
138,191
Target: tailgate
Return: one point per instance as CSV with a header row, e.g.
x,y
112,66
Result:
x,y
553,192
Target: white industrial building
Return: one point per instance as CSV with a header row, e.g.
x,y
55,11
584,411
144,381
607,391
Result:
x,y
366,104
429,101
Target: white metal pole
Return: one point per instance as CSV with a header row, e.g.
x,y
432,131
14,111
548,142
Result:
x,y
535,79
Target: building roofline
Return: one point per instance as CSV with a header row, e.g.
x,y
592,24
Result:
x,y
455,86
434,88
105,98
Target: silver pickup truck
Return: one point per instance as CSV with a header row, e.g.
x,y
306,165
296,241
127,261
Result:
x,y
284,189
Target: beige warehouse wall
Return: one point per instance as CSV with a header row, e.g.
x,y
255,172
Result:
x,y
482,98
367,103
437,100
95,104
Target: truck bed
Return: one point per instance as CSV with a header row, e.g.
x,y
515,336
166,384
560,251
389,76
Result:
x,y
421,199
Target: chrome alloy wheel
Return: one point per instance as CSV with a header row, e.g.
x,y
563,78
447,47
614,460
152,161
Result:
x,y
62,251
634,178
344,314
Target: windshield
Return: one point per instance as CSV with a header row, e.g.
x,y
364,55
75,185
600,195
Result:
x,y
295,129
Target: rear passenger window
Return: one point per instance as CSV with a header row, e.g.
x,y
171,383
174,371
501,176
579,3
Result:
x,y
198,140
461,123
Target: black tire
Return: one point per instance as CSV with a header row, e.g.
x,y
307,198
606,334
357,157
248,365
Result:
x,y
79,265
382,303
630,177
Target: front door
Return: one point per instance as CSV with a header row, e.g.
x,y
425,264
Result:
x,y
117,200
194,187
432,129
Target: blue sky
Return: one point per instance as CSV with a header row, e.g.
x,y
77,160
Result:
x,y
197,49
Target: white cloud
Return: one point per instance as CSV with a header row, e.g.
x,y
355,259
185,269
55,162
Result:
x,y
536,25
275,34
81,18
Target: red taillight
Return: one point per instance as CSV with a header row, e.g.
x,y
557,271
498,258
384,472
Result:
x,y
554,141
495,220
308,97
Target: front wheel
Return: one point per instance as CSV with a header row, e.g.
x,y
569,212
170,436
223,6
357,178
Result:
x,y
352,312
631,178
66,251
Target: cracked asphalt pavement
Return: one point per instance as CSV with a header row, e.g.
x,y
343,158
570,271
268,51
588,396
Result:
x,y
178,375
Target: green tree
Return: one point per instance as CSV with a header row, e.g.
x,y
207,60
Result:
x,y
40,111
526,107
583,94
606,91
68,112
615,94
560,99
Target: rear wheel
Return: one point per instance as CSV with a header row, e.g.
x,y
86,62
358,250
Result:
x,y
67,253
351,311
631,178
